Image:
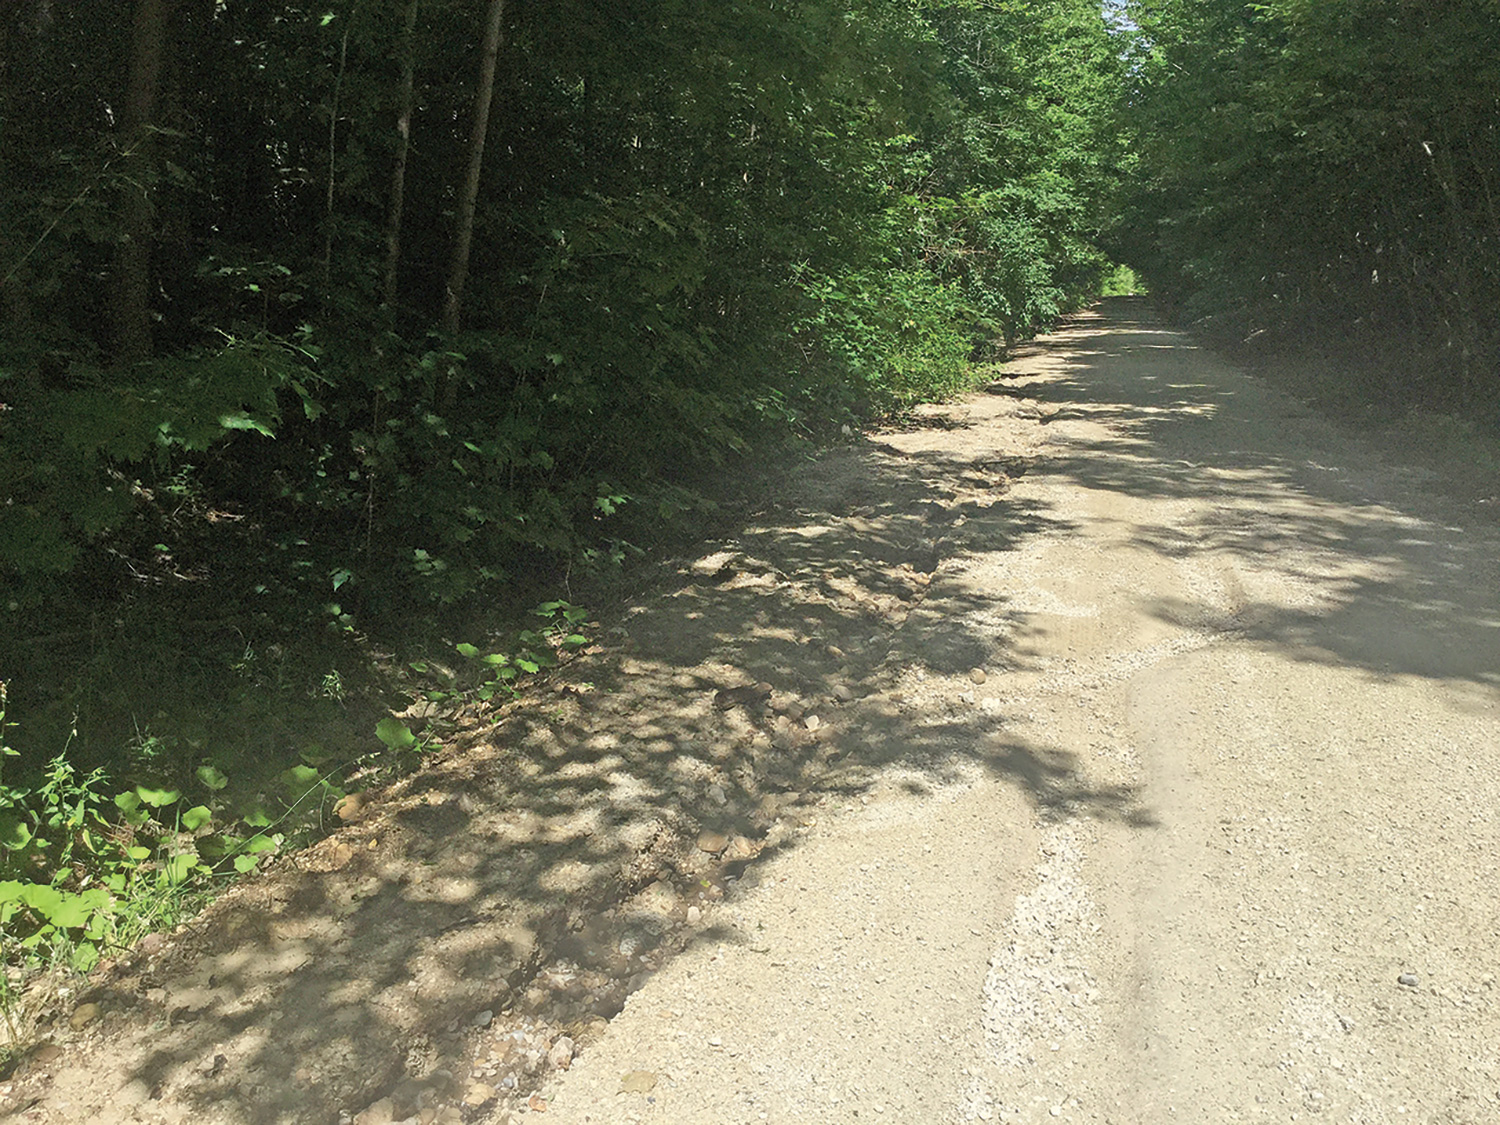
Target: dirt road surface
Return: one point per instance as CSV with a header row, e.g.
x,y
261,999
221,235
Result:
x,y
1119,746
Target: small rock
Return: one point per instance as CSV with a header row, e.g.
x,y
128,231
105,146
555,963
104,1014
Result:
x,y
716,795
560,1057
352,807
977,675
694,916
479,1093
712,842
812,722
843,693
637,1082
83,1015
376,1113
483,1018
1410,980
659,898
751,695
741,848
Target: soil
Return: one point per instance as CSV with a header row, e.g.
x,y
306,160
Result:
x,y
1115,745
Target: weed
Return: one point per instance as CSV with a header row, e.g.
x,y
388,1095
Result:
x,y
533,649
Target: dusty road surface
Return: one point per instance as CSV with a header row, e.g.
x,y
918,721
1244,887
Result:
x,y
1232,772
1120,746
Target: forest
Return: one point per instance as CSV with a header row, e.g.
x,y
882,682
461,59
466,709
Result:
x,y
335,338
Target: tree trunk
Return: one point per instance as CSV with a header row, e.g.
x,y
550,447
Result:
x,y
403,144
333,152
458,270
130,305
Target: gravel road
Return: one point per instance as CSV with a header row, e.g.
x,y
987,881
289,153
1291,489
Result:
x,y
1201,825
1116,745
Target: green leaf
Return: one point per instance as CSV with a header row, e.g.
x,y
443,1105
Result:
x,y
257,817
15,833
85,956
239,420
156,798
299,778
212,778
179,868
196,817
243,863
394,733
467,650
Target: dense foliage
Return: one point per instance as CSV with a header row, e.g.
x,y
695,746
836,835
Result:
x,y
694,227
1328,172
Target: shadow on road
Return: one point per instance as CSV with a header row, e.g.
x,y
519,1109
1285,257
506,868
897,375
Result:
x,y
362,965
1372,563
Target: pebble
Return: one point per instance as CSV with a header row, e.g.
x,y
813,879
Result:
x,y
479,1093
1410,980
977,675
694,915
843,693
637,1082
483,1018
560,1057
712,842
83,1015
382,1112
716,795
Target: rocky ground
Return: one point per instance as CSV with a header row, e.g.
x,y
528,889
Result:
x,y
1119,745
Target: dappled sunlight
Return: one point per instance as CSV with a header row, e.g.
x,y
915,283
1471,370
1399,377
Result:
x,y
1332,563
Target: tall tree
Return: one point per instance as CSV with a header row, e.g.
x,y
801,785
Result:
x,y
463,235
131,304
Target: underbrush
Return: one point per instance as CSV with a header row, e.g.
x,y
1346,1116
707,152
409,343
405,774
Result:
x,y
95,856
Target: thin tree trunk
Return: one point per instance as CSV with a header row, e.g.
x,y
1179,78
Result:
x,y
458,270
403,144
333,129
130,305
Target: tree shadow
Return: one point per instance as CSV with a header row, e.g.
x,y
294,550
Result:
x,y
529,842
512,875
1362,559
